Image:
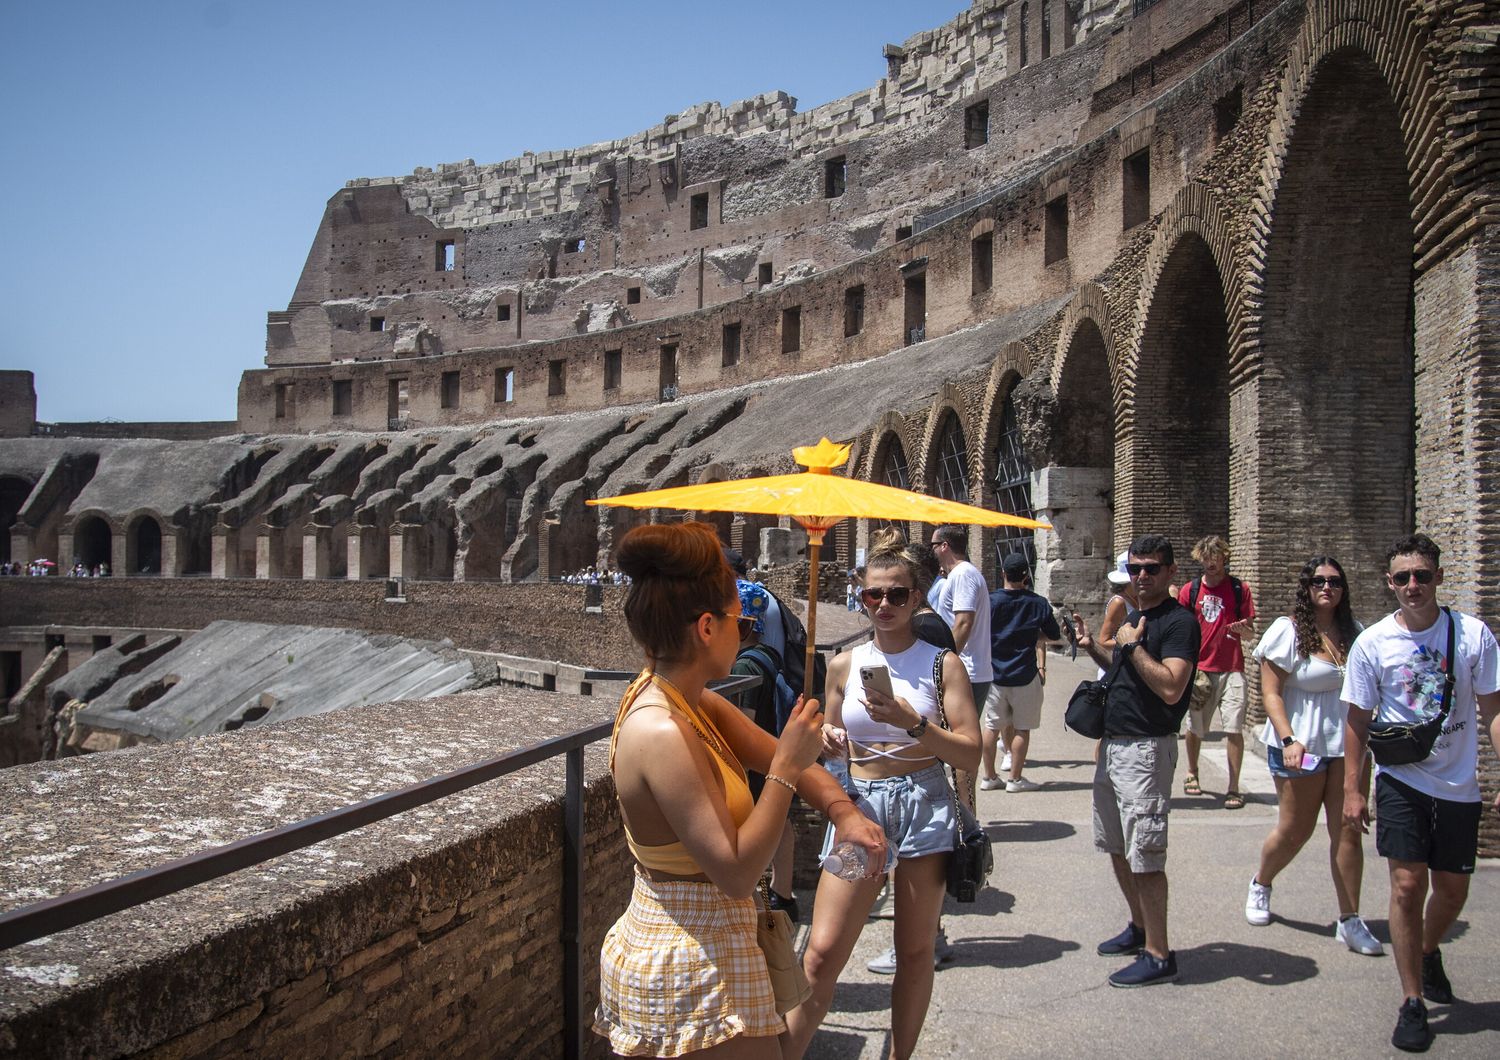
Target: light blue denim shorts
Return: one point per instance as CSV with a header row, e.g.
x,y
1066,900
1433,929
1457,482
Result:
x,y
1277,764
915,810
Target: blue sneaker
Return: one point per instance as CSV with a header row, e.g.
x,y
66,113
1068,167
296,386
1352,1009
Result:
x,y
1147,971
1126,944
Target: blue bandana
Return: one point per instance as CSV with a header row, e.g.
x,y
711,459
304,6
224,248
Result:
x,y
754,600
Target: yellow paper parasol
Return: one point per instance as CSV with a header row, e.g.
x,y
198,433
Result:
x,y
817,499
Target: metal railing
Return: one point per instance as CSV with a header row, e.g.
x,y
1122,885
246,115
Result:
x,y
27,923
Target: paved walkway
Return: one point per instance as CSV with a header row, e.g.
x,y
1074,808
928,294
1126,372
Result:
x,y
1027,982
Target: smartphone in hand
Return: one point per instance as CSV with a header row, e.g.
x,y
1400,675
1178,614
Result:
x,y
877,678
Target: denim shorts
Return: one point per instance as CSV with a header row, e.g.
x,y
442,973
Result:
x,y
1277,764
915,810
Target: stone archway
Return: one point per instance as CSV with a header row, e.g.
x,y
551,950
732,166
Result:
x,y
1336,392
13,494
1179,448
143,549
93,542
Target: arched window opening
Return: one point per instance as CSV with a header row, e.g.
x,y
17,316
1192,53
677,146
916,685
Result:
x,y
1013,488
951,475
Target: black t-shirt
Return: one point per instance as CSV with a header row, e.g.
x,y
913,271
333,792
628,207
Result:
x,y
1017,618
930,627
1131,708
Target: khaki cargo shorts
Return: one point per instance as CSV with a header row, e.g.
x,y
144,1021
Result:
x,y
1132,796
1222,692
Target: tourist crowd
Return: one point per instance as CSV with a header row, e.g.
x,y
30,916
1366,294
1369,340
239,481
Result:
x,y
946,693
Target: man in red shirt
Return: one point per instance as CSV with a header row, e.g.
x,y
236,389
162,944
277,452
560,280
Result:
x,y
1226,618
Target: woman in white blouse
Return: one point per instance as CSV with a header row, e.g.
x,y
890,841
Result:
x,y
1301,674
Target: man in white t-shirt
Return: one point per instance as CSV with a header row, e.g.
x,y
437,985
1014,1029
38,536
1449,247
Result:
x,y
1427,812
963,599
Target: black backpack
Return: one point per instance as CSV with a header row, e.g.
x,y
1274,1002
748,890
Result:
x,y
794,659
1235,586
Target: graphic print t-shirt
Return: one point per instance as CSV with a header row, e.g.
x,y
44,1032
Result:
x,y
1221,652
1400,676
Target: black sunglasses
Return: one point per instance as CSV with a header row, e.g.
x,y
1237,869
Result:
x,y
1318,581
897,595
1422,574
1152,569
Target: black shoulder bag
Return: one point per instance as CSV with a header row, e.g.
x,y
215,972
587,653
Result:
x,y
1400,743
973,858
1085,714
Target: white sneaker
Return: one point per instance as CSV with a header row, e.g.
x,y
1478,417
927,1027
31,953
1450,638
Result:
x,y
1021,785
1355,934
1258,904
942,953
991,783
1005,763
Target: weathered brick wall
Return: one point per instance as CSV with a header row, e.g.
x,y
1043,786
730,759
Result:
x,y
433,933
17,404
541,621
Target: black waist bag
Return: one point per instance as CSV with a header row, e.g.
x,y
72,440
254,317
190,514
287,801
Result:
x,y
1400,743
1085,714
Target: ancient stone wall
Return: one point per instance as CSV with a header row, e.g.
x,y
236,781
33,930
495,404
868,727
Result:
x,y
435,931
17,404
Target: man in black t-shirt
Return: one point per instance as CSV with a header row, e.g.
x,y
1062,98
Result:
x,y
1156,652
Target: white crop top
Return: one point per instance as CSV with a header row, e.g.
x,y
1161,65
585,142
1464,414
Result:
x,y
911,680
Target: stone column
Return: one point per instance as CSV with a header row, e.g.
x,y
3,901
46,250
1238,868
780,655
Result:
x,y
1073,557
267,552
363,546
64,548
406,559
225,560
117,554
317,541
173,550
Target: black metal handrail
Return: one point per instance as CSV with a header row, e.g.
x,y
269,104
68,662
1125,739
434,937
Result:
x,y
43,918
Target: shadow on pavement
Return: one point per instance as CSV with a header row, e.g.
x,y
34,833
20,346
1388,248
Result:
x,y
1461,1018
839,1045
1218,961
1029,831
991,900
1022,951
861,997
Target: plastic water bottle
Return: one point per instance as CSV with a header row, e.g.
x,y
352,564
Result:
x,y
848,862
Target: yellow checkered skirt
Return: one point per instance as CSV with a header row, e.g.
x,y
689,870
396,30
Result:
x,y
681,971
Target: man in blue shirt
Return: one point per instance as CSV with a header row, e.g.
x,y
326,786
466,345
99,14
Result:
x,y
1020,623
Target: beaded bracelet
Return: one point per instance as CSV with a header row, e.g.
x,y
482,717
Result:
x,y
785,783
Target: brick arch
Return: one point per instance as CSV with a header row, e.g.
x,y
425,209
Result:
x,y
1088,306
141,548
1389,33
1195,212
981,227
1011,366
891,426
88,545
949,399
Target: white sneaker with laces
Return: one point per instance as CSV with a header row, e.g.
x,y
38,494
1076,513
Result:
x,y
942,953
1005,763
1258,904
1021,785
1355,934
991,783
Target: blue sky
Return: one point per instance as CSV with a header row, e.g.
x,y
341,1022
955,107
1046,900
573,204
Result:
x,y
166,162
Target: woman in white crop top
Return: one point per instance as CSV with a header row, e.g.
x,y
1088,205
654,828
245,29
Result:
x,y
896,748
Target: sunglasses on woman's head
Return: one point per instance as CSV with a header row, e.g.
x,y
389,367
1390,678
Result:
x,y
1153,569
1422,574
897,595
1318,581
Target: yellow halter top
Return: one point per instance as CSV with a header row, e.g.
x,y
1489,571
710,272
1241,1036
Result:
x,y
673,857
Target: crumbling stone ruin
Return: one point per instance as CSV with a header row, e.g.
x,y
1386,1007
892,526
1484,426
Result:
x,y
1185,265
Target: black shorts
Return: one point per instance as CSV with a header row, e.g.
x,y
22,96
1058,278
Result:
x,y
1413,826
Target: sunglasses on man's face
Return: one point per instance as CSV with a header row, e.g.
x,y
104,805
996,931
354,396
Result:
x,y
1153,569
897,595
1331,581
1422,574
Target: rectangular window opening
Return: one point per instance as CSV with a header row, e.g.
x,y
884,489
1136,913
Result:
x,y
574,246
505,385
447,255
396,402
698,216
450,387
731,345
343,397
502,311
903,232
1056,224
102,641
1135,182
916,308
977,125
764,274
612,369
791,329
1227,113
377,323
632,295
668,377
835,177
557,379
854,310
982,262
283,399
